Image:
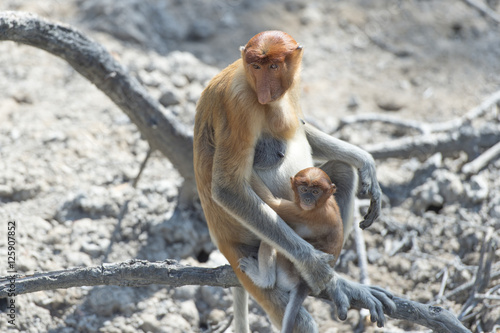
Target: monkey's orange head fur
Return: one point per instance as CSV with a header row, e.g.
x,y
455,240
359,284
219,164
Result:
x,y
314,177
269,46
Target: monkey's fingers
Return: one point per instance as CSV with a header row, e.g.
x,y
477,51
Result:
x,y
346,294
383,300
373,212
342,304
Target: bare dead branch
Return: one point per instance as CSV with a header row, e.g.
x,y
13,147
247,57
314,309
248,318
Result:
x,y
425,128
482,160
136,273
466,138
375,117
162,130
132,273
483,9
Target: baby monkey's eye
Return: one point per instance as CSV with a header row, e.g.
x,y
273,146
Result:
x,y
273,66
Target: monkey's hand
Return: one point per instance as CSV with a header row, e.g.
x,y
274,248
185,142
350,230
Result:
x,y
316,270
370,186
346,294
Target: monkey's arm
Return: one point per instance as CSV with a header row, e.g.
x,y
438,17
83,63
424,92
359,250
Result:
x,y
286,209
232,191
263,191
329,148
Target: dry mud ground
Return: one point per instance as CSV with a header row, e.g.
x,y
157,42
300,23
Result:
x,y
68,155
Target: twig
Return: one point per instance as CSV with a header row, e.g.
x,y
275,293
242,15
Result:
x,y
483,274
143,166
486,296
444,281
136,273
483,9
464,287
482,160
124,208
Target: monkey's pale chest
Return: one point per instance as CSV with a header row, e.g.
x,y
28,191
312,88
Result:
x,y
277,160
269,152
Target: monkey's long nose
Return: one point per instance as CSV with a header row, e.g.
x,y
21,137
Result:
x,y
264,96
263,91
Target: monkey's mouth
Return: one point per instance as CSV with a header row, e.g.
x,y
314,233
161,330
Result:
x,y
307,205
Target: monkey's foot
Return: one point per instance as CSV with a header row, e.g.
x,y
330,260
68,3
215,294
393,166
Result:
x,y
250,266
345,294
370,186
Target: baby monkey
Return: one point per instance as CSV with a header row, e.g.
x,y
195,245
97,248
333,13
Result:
x,y
314,215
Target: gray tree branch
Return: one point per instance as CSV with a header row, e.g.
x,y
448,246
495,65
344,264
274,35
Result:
x,y
465,139
136,273
162,131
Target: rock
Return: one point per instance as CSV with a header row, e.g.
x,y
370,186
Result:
x,y
353,102
202,29
189,312
389,102
450,185
216,297
186,292
311,15
175,323
216,316
426,196
110,299
6,191
150,323
169,98
477,189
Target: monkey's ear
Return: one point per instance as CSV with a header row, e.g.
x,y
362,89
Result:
x,y
333,188
242,48
299,47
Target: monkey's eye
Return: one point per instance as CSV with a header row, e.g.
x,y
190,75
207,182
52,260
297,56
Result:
x,y
303,189
273,66
315,191
255,66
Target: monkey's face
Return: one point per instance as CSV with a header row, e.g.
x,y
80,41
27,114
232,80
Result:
x,y
309,196
268,82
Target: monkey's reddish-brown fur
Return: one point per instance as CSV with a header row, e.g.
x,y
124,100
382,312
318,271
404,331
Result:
x,y
324,222
272,46
230,118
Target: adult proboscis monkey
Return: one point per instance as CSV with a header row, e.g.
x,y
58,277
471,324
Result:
x,y
249,120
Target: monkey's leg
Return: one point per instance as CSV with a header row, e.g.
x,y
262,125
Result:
x,y
297,297
263,270
240,310
273,301
345,177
